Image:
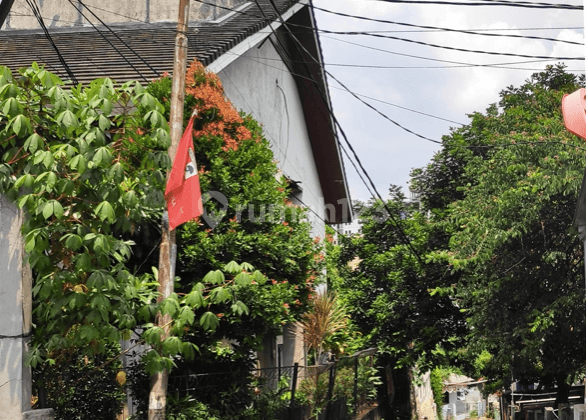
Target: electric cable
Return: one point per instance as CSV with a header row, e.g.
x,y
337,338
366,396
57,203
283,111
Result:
x,y
34,8
442,29
110,42
117,37
460,63
531,5
402,233
445,47
439,46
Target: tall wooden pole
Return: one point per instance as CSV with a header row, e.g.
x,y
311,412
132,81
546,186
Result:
x,y
168,250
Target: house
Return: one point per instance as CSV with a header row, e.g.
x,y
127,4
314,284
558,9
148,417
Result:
x,y
264,51
463,398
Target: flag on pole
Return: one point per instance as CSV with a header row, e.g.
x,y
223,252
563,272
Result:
x,y
183,194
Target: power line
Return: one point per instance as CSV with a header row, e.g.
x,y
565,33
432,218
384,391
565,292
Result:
x,y
475,51
117,37
435,28
34,8
423,43
298,45
531,5
402,107
580,28
460,63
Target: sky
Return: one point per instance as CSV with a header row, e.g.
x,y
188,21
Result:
x,y
388,152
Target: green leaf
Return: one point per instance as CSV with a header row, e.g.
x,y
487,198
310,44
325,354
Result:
x,y
68,119
130,199
78,163
247,267
30,244
209,321
72,241
33,143
102,156
104,123
116,173
243,279
239,308
186,315
105,211
172,346
220,295
52,207
21,125
11,107
232,267
195,299
25,180
214,277
188,350
83,262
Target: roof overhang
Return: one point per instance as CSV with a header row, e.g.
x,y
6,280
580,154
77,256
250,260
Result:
x,y
314,93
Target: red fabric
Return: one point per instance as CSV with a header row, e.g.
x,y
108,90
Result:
x,y
183,194
573,107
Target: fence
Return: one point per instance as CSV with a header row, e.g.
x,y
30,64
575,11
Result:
x,y
341,390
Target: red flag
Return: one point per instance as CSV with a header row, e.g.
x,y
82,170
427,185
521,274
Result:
x,y
183,194
573,107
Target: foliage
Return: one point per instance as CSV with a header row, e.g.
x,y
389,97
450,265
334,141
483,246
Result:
x,y
313,390
188,408
267,404
79,171
76,385
398,300
504,187
257,223
521,259
437,377
90,179
349,340
325,317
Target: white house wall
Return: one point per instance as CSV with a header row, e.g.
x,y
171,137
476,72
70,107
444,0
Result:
x,y
259,83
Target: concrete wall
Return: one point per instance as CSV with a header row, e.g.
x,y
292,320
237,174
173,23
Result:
x,y
259,83
62,13
424,403
15,313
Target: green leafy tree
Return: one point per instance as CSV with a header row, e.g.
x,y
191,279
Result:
x,y
257,223
401,303
86,165
522,261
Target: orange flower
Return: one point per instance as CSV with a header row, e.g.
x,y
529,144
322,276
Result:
x,y
227,123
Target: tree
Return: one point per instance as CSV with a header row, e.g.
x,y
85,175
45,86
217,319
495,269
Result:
x,y
256,223
523,280
513,175
398,299
86,166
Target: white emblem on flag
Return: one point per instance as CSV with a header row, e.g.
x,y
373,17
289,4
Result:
x,y
191,167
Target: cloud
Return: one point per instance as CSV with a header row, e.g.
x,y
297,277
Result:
x,y
389,152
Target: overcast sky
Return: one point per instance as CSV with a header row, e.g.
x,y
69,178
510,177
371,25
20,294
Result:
x,y
388,152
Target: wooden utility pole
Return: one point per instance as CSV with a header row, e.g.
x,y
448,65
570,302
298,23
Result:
x,y
168,250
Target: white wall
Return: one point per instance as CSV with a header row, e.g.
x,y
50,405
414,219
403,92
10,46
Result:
x,y
15,312
61,13
259,83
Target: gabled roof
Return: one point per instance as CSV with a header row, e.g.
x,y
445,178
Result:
x,y
144,51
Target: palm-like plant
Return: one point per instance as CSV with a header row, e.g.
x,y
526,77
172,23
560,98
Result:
x,y
325,317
